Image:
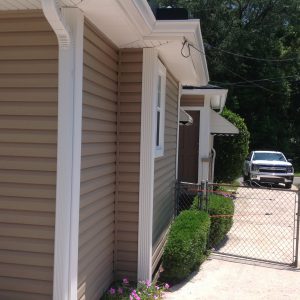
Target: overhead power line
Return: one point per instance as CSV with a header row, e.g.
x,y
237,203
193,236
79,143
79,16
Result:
x,y
189,45
210,47
268,80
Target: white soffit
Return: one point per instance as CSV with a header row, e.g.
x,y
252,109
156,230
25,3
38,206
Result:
x,y
131,24
208,92
220,125
32,4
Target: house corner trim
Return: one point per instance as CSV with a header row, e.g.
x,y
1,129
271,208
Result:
x,y
68,159
147,154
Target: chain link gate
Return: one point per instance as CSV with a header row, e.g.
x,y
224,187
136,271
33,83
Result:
x,y
265,221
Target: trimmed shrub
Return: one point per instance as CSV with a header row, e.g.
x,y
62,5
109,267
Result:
x,y
186,245
231,151
219,206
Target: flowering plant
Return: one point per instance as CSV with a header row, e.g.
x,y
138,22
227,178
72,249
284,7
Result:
x,y
145,290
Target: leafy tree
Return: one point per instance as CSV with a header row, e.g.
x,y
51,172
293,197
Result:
x,y
265,90
231,151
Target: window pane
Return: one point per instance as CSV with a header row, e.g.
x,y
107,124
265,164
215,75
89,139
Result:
x,y
157,127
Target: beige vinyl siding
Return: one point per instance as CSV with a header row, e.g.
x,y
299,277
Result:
x,y
98,165
129,130
165,173
192,100
28,136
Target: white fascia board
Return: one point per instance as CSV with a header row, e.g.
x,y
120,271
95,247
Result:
x,y
220,92
184,30
140,14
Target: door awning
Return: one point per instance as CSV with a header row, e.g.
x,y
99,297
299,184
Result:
x,y
221,126
185,118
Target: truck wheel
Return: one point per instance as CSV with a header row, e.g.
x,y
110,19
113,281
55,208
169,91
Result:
x,y
246,177
288,185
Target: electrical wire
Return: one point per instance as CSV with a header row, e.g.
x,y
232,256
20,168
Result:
x,y
270,80
210,47
253,83
189,50
230,71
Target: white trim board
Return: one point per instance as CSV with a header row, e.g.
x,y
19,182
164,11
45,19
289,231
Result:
x,y
147,153
177,134
68,160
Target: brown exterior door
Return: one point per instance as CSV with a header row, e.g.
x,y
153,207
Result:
x,y
189,149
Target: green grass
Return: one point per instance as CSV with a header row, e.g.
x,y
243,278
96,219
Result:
x,y
297,174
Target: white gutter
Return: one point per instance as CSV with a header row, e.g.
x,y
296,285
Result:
x,y
53,15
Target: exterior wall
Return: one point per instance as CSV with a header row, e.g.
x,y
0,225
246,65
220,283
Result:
x,y
28,138
129,130
98,165
165,173
192,100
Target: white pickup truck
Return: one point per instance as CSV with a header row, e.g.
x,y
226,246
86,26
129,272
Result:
x,y
268,167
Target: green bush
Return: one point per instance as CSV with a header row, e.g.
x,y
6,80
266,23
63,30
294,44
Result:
x,y
186,245
231,151
218,206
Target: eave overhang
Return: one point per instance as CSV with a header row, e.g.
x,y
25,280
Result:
x,y
217,97
131,24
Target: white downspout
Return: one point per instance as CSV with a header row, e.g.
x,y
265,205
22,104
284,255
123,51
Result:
x,y
53,15
67,23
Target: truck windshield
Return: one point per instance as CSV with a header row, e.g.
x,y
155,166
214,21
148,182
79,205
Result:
x,y
269,156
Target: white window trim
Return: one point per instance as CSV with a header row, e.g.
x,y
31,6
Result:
x,y
159,149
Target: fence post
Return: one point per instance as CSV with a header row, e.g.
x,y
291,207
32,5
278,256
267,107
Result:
x,y
206,195
177,195
297,231
202,195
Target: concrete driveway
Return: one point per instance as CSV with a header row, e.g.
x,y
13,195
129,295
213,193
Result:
x,y
297,181
263,225
262,230
219,279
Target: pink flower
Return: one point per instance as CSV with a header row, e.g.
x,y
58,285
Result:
x,y
135,295
167,286
112,291
148,283
125,281
130,297
120,290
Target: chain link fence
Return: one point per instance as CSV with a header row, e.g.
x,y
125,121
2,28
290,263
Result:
x,y
265,221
